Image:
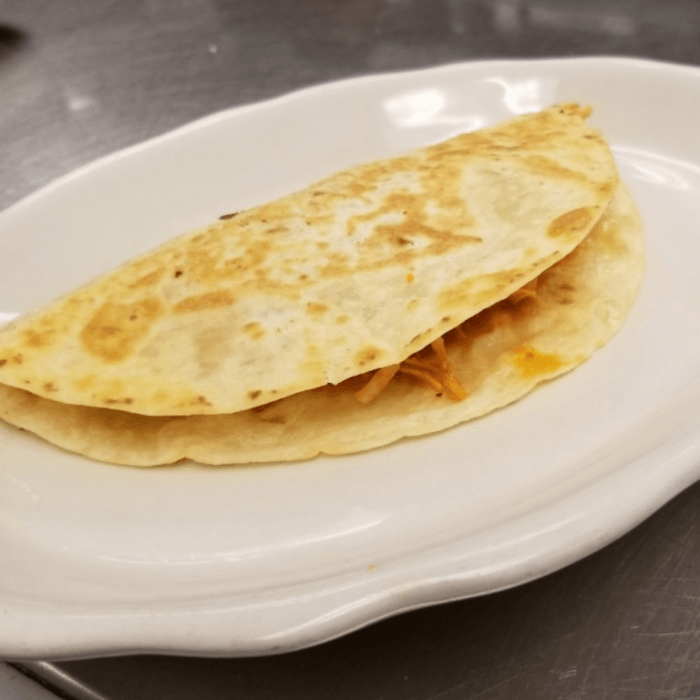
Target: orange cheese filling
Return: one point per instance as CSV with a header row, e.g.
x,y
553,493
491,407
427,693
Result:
x,y
532,363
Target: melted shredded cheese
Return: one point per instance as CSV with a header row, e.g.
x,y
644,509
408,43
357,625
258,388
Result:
x,y
379,381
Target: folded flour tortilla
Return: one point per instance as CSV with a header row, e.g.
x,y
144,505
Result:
x,y
251,339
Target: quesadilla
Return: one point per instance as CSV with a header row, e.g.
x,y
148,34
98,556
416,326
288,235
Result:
x,y
395,298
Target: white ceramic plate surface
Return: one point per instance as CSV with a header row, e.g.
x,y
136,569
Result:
x,y
100,559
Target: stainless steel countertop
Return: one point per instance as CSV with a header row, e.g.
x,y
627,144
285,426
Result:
x,y
82,78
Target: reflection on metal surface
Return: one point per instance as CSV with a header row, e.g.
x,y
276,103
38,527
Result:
x,y
583,19
507,16
58,680
349,21
78,103
620,18
458,16
15,685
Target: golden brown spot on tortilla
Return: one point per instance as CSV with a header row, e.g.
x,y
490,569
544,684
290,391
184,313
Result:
x,y
574,109
34,339
114,387
204,302
228,216
84,382
337,263
203,400
265,406
254,394
409,277
241,262
561,292
274,211
532,363
368,354
315,308
552,169
341,319
606,188
279,420
419,340
148,280
17,359
212,347
321,219
571,223
49,386
114,402
177,273
277,229
3,362
413,225
254,330
114,331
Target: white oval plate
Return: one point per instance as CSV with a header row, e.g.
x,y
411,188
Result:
x,y
100,559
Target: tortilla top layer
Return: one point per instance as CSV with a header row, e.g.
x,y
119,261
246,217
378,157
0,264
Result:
x,y
353,273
